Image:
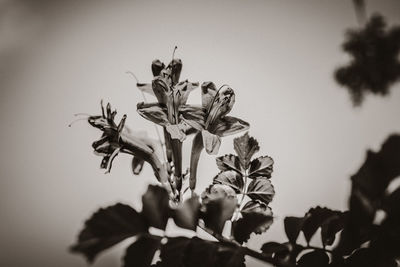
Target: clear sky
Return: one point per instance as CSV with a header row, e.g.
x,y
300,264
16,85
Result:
x,y
59,58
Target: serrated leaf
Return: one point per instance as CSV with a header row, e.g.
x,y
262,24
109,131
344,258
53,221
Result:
x,y
261,166
230,178
217,212
245,147
251,222
156,206
314,218
187,214
316,258
261,189
137,165
293,227
230,125
228,163
141,252
107,227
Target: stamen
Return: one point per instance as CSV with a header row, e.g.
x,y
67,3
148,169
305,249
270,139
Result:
x,y
173,53
133,74
102,109
74,121
82,114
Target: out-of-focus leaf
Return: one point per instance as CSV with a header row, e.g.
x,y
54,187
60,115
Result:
x,y
314,218
217,191
156,206
245,147
229,162
108,227
153,112
230,256
316,258
141,252
293,227
217,212
271,248
200,253
261,189
172,252
261,167
137,165
231,178
211,142
251,222
331,227
187,214
230,125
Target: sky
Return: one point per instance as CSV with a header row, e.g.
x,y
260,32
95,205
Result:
x,y
58,58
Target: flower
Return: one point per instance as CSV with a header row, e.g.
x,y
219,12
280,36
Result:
x,y
217,104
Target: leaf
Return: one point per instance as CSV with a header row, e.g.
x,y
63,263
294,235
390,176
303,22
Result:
x,y
251,222
211,142
293,226
141,252
316,258
187,214
172,252
331,227
153,112
156,206
314,218
229,162
271,248
217,212
230,256
137,165
245,147
261,166
107,227
230,125
200,253
261,189
231,178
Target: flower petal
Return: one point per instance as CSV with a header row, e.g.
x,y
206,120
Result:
x,y
230,125
182,91
211,142
208,92
221,105
156,67
153,112
161,89
177,131
175,67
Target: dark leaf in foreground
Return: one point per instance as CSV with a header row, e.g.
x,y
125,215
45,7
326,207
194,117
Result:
x,y
172,252
293,226
156,206
141,252
230,178
217,212
200,253
230,256
245,147
108,227
251,222
272,248
187,214
331,227
317,258
261,167
261,189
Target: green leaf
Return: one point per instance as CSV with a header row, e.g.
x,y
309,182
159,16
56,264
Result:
x,y
251,222
293,226
229,162
261,166
141,252
153,112
156,206
261,189
245,147
107,227
316,258
230,125
187,214
231,178
217,212
137,165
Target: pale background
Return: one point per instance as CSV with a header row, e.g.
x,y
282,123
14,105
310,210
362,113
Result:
x,y
59,58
